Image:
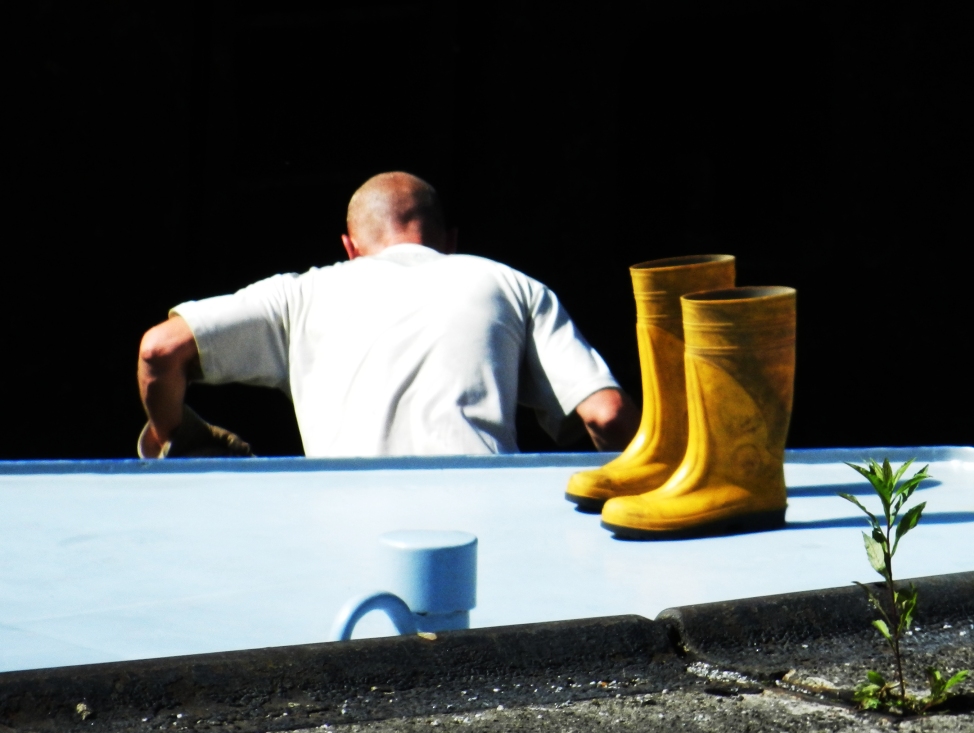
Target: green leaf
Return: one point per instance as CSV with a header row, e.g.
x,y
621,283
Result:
x,y
866,691
887,472
898,502
959,677
874,693
868,702
939,687
882,491
874,475
899,474
909,521
907,488
906,602
873,599
907,596
877,558
872,517
883,629
864,471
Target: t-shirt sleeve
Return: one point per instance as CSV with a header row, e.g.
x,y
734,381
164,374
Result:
x,y
561,368
243,337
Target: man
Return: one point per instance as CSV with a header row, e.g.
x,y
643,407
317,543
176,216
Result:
x,y
407,348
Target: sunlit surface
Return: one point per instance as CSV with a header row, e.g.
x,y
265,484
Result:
x,y
98,567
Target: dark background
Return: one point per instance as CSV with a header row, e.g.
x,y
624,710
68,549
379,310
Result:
x,y
173,150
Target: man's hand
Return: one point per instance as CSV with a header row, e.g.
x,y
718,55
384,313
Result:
x,y
168,359
196,438
610,418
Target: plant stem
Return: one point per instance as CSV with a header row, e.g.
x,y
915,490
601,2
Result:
x,y
896,612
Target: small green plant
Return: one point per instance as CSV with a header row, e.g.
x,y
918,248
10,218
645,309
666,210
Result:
x,y
939,687
881,544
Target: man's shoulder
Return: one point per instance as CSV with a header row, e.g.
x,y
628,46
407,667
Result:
x,y
475,270
476,261
487,265
335,269
505,276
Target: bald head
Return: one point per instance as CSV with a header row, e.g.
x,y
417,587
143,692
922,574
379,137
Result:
x,y
393,208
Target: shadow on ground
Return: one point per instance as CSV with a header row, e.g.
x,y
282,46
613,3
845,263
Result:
x,y
861,521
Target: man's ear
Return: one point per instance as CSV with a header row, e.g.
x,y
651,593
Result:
x,y
351,248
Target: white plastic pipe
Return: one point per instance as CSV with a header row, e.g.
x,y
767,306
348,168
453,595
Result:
x,y
431,582
394,607
435,573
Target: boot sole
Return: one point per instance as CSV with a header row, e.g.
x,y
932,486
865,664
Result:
x,y
586,504
760,522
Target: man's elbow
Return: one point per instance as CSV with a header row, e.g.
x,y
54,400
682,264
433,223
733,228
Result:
x,y
610,418
168,347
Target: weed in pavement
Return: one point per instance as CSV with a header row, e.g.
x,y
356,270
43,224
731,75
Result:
x,y
877,693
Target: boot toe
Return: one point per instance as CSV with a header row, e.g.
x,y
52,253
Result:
x,y
589,490
589,485
695,512
606,483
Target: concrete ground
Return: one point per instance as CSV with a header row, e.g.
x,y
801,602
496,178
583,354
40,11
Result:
x,y
700,697
714,698
677,710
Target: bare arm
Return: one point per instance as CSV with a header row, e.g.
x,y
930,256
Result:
x,y
168,359
610,418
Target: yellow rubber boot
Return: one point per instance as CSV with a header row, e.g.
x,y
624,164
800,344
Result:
x,y
661,441
740,372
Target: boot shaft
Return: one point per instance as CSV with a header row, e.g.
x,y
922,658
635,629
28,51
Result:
x,y
659,284
740,365
657,287
742,320
749,333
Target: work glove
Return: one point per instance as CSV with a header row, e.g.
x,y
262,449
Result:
x,y
196,438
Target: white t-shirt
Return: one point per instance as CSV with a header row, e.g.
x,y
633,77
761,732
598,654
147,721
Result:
x,y
408,352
